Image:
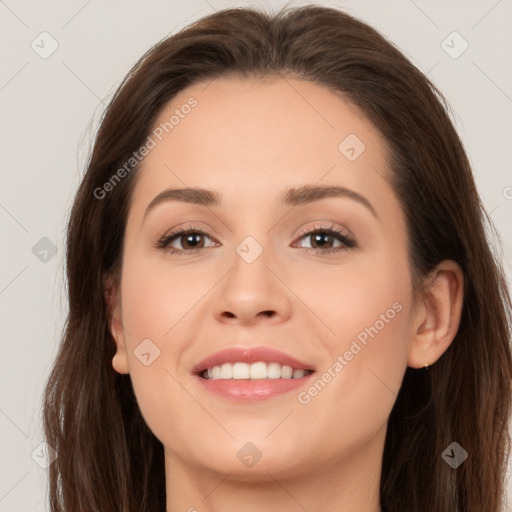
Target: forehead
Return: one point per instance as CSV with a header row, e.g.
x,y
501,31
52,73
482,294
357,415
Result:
x,y
251,139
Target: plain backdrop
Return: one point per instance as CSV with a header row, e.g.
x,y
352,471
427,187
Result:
x,y
50,107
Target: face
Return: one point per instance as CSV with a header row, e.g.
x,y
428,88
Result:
x,y
265,270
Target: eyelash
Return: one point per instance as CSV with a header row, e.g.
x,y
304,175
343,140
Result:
x,y
331,230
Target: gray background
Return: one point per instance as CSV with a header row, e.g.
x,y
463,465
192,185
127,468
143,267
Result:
x,y
50,108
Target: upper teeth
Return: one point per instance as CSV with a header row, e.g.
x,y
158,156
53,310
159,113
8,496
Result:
x,y
253,371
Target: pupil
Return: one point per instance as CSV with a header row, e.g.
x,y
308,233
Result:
x,y
191,237
319,237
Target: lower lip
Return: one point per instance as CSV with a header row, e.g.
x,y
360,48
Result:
x,y
245,390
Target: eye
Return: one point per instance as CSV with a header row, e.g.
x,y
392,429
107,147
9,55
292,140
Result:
x,y
323,239
191,239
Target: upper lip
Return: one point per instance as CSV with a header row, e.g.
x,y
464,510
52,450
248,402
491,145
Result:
x,y
249,355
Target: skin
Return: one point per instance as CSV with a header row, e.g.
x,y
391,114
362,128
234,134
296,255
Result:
x,y
249,141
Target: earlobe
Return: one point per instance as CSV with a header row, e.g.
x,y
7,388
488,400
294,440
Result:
x,y
120,361
437,321
114,314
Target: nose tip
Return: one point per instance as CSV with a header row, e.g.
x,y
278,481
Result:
x,y
251,294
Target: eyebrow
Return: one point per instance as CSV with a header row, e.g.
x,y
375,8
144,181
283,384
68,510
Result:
x,y
291,197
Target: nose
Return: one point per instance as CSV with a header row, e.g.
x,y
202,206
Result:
x,y
253,293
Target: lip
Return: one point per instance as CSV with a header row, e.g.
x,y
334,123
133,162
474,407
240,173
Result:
x,y
247,390
249,355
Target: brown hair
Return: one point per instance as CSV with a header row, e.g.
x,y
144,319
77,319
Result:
x,y
108,459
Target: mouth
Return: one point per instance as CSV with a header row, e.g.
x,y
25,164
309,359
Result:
x,y
247,374
255,371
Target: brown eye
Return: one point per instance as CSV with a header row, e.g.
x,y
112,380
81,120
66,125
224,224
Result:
x,y
321,240
184,240
327,240
191,240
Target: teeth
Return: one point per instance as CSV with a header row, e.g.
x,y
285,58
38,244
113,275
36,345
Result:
x,y
254,371
297,374
287,372
273,371
257,370
240,370
226,371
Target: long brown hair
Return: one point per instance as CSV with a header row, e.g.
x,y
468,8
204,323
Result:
x,y
108,459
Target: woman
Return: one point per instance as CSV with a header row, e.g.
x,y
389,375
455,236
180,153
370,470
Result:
x,y
281,292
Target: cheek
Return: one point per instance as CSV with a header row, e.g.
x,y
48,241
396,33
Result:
x,y
367,311
166,304
157,298
365,299
157,304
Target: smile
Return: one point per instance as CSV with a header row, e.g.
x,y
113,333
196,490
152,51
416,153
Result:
x,y
255,371
247,374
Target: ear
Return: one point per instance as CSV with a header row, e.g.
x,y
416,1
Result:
x,y
437,317
113,299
